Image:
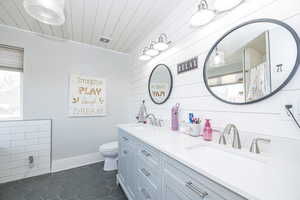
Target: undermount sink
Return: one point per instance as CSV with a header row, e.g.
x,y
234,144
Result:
x,y
140,126
137,126
218,151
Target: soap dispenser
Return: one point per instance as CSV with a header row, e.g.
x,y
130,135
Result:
x,y
141,117
207,131
174,117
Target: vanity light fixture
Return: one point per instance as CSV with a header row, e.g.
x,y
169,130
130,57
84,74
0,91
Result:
x,y
162,43
151,51
203,15
222,5
46,11
143,56
155,48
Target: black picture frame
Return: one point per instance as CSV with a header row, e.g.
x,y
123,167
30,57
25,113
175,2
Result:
x,y
171,86
291,75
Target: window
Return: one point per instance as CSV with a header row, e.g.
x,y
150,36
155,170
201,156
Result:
x,y
11,71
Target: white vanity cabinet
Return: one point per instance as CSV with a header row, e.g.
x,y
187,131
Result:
x,y
127,166
145,173
139,169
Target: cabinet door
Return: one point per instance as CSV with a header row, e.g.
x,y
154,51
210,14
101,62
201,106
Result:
x,y
131,168
122,159
145,190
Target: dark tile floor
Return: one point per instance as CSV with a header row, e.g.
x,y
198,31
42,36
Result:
x,y
84,183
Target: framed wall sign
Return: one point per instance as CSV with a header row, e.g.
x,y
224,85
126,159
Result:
x,y
87,96
187,65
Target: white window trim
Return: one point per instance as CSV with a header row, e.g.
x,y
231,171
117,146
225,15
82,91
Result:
x,y
21,71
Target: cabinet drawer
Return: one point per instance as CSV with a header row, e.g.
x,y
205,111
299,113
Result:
x,y
196,185
123,137
173,191
150,173
149,154
190,187
145,190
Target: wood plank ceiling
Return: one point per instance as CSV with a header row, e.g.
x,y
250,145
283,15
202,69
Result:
x,y
126,22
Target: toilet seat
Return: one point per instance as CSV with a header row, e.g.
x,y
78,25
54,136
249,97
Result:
x,y
108,147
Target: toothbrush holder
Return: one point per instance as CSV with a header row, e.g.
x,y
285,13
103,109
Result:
x,y
195,130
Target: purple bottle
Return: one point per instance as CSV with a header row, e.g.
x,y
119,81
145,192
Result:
x,y
174,116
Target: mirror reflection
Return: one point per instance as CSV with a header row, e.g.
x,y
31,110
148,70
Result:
x,y
160,84
251,63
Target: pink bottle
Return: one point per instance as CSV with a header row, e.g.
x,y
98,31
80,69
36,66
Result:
x,y
174,116
207,131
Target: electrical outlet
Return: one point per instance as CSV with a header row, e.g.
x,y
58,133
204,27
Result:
x,y
31,161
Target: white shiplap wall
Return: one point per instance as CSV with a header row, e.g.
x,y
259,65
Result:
x,y
18,141
265,117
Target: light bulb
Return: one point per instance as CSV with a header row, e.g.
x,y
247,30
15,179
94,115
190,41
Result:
x,y
222,5
160,46
202,17
152,52
219,58
162,42
144,57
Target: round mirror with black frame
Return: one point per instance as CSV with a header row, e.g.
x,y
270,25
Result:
x,y
252,62
160,84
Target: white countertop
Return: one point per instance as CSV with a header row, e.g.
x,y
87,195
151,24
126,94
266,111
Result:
x,y
252,176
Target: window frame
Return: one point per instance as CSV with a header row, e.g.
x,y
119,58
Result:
x,y
21,71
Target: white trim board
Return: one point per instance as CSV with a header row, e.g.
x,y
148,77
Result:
x,y
76,161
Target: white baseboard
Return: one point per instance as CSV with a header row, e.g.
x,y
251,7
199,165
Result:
x,y
76,161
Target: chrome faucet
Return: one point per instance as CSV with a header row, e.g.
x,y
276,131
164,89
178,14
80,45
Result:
x,y
153,119
254,145
236,142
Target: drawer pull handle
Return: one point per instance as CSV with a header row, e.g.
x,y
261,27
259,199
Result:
x,y
145,172
125,152
147,154
195,189
145,193
125,138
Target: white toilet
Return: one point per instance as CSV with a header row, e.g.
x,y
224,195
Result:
x,y
110,153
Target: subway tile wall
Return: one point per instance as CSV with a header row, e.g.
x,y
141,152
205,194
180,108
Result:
x,y
18,141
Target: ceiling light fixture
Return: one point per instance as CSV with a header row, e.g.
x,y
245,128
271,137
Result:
x,y
151,51
203,15
46,11
143,56
222,5
162,43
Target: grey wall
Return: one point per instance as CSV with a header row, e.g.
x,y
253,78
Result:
x,y
48,64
